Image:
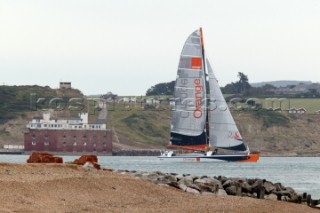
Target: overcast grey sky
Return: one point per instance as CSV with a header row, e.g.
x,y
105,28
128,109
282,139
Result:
x,y
127,46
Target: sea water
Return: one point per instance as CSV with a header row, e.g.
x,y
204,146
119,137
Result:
x,y
300,173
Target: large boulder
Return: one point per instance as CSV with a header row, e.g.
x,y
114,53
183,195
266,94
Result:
x,y
210,181
222,179
192,190
177,185
187,180
221,192
257,185
167,179
246,187
231,190
279,187
269,187
208,185
228,183
205,187
43,157
88,158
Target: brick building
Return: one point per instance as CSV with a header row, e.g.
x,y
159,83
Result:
x,y
67,135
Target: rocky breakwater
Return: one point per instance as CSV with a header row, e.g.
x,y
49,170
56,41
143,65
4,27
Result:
x,y
222,186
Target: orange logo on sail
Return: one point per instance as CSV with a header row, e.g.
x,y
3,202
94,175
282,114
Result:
x,y
197,113
196,63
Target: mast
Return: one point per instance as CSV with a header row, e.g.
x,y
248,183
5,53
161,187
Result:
x,y
205,82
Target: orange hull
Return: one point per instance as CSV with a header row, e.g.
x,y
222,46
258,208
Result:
x,y
252,158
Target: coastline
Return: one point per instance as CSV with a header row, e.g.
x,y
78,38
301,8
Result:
x,y
138,152
71,188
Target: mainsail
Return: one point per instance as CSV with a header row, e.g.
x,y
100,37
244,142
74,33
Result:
x,y
189,113
223,130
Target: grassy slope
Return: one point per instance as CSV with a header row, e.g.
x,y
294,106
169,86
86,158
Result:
x,y
139,127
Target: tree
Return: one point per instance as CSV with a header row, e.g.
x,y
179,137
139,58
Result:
x,y
243,83
161,89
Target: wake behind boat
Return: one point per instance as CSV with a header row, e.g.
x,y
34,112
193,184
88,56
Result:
x,y
198,123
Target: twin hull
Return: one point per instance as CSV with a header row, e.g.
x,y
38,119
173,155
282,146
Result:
x,y
217,157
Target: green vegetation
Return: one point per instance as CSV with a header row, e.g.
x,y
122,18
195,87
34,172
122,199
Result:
x,y
271,118
161,89
16,100
139,126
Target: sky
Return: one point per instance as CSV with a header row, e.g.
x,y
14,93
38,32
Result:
x,y
127,46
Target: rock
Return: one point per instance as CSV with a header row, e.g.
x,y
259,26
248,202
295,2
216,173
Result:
x,y
257,185
269,187
271,197
87,166
89,158
231,190
182,187
205,187
179,177
282,194
279,187
251,181
290,190
221,192
285,198
187,180
97,166
294,198
227,183
150,176
317,206
167,178
159,173
211,181
246,187
195,177
194,186
86,158
177,185
222,179
192,190
43,157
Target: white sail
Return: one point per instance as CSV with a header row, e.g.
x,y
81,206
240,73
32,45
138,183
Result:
x,y
223,130
189,113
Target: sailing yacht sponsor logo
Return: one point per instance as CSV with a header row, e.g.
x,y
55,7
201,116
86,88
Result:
x,y
196,63
197,113
235,135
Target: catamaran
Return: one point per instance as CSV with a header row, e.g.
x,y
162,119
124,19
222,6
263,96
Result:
x,y
203,125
